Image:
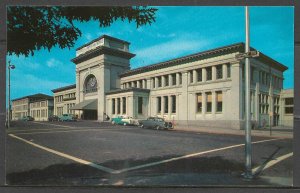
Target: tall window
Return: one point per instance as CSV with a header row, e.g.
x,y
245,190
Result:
x,y
113,106
153,82
173,79
208,102
180,78
140,105
158,104
228,70
159,81
173,97
118,106
199,75
199,103
166,104
166,80
124,105
219,72
219,101
289,105
90,84
191,76
208,73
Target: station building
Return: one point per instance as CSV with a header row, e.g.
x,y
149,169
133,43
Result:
x,y
204,89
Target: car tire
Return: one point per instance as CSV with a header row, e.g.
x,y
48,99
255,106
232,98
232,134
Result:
x,y
157,127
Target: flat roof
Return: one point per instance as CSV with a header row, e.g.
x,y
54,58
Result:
x,y
103,36
35,97
237,47
64,88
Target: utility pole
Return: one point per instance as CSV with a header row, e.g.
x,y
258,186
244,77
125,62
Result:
x,y
248,148
10,66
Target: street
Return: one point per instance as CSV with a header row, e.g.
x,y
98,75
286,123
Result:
x,y
92,153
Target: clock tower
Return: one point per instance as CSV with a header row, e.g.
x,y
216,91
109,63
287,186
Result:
x,y
98,65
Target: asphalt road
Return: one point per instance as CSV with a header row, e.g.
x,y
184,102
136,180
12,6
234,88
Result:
x,y
92,153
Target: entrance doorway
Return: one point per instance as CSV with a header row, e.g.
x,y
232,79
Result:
x,y
89,115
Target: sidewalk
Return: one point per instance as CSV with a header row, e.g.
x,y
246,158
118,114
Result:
x,y
277,132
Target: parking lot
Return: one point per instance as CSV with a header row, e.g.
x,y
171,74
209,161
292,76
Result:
x,y
92,153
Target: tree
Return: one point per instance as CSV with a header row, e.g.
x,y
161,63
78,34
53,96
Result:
x,y
33,28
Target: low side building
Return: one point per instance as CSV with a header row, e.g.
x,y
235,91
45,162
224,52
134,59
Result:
x,y
286,108
64,100
21,106
41,109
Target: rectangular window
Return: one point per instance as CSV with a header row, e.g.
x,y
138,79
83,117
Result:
x,y
208,102
124,105
219,72
118,106
219,101
158,99
173,79
252,73
113,106
173,97
199,103
153,82
166,80
289,101
166,105
208,73
199,75
140,105
191,76
288,110
228,70
159,81
180,78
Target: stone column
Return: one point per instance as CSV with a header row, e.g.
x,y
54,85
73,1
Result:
x,y
170,80
214,73
184,99
236,102
138,85
195,76
177,79
203,103
156,82
163,81
148,83
203,74
121,105
213,103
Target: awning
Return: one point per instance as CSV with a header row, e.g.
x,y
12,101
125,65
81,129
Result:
x,y
91,104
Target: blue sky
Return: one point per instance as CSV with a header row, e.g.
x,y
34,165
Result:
x,y
178,31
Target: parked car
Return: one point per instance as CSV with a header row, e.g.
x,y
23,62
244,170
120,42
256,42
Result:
x,y
155,123
67,117
53,118
27,118
122,120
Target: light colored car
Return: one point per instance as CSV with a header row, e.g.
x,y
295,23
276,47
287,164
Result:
x,y
27,118
67,117
155,123
123,120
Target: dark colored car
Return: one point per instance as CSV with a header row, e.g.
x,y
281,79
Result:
x,y
155,123
67,117
53,118
27,118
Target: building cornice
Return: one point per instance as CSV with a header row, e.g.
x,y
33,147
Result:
x,y
101,50
238,47
133,89
69,87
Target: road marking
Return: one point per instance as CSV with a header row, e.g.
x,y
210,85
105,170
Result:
x,y
272,163
52,124
88,163
186,156
68,131
112,171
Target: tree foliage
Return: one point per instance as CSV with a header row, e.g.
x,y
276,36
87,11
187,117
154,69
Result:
x,y
33,28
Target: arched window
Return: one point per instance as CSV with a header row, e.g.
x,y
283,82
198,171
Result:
x,y
90,84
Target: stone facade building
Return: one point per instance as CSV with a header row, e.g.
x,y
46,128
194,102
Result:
x,y
23,106
202,89
64,99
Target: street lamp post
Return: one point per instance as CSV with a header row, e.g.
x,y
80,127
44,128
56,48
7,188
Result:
x,y
10,66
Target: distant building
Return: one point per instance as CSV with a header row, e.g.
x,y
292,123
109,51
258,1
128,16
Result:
x,y
64,99
36,105
286,108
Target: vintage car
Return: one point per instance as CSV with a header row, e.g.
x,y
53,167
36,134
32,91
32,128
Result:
x,y
53,118
67,117
122,120
155,123
27,118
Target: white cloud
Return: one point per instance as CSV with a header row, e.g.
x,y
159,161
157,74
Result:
x,y
172,49
52,62
88,36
